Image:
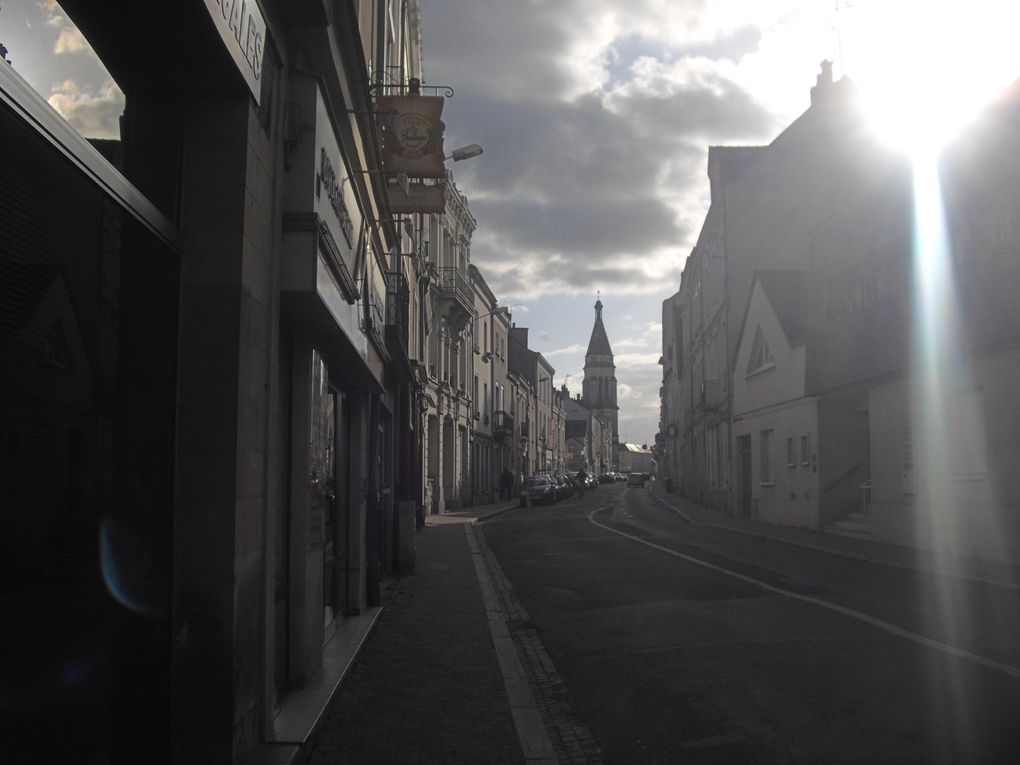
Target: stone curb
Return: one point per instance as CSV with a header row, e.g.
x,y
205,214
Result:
x,y
535,744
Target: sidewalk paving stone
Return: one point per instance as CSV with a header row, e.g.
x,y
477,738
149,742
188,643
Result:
x,y
427,685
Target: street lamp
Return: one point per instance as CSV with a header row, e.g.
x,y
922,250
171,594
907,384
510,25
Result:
x,y
465,152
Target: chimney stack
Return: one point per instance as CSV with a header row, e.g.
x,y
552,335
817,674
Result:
x,y
823,83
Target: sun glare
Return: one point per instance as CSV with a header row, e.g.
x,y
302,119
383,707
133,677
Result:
x,y
926,68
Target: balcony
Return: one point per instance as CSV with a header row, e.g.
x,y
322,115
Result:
x,y
397,303
503,425
455,297
397,307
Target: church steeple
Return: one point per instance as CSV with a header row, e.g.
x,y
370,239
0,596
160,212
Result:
x,y
600,375
598,345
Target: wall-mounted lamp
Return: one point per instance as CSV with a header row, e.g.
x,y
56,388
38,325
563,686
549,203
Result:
x,y
465,152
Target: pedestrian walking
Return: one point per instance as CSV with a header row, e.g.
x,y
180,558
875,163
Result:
x,y
506,483
582,479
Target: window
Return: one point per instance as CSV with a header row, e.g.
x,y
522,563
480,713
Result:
x,y
805,450
761,354
791,453
765,443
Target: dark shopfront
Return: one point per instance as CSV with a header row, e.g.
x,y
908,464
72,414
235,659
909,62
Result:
x,y
88,338
121,399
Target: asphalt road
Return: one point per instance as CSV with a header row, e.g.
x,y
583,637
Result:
x,y
696,645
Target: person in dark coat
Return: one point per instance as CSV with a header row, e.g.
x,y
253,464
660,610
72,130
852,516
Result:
x,y
506,483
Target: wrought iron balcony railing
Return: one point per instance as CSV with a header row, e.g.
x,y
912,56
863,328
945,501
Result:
x,y
398,295
503,422
454,282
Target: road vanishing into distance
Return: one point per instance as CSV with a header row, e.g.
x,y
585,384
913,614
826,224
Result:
x,y
691,644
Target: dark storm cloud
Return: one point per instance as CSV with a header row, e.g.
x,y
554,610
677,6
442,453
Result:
x,y
581,172
500,47
600,229
714,106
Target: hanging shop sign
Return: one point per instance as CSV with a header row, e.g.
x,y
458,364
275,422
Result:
x,y
243,29
411,135
416,198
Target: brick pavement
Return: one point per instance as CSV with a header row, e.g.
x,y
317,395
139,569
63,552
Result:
x,y
426,687
570,736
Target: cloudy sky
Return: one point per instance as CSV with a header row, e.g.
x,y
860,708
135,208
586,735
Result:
x,y
50,52
596,117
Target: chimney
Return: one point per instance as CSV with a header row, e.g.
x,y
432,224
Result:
x,y
823,84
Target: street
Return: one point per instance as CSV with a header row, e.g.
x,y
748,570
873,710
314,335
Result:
x,y
694,644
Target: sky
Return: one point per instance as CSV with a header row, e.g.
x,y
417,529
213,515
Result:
x,y
596,117
49,51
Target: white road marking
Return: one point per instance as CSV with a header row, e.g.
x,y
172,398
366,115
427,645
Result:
x,y
892,629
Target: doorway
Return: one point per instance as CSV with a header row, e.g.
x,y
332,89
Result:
x,y
336,531
744,457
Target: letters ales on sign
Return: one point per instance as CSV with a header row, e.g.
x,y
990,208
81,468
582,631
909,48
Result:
x,y
243,29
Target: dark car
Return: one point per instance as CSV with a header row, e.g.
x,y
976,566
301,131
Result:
x,y
609,477
540,489
566,487
636,479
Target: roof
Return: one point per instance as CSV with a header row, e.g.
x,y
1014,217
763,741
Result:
x,y
787,293
598,345
636,448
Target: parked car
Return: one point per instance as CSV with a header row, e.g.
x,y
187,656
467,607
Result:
x,y
609,477
620,476
636,479
541,489
590,481
566,488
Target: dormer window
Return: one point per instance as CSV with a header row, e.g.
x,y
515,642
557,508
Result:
x,y
761,355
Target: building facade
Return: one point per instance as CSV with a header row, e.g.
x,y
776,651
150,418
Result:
x,y
822,401
450,362
749,226
216,344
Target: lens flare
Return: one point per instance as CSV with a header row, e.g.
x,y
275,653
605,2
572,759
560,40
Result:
x,y
926,68
131,572
950,424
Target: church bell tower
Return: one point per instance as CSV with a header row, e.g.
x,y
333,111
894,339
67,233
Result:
x,y
599,389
